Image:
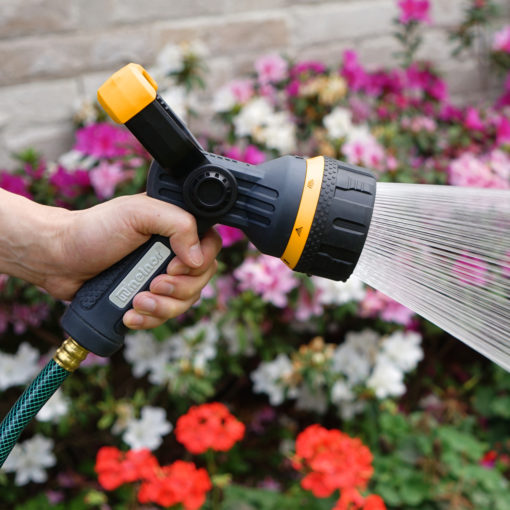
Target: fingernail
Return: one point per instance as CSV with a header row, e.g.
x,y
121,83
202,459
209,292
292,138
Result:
x,y
195,254
146,304
133,319
165,288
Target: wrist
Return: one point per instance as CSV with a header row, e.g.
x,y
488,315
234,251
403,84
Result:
x,y
32,238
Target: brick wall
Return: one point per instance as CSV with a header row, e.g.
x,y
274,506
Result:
x,y
53,51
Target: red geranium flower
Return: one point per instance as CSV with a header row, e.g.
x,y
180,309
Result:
x,y
208,426
332,460
181,482
115,468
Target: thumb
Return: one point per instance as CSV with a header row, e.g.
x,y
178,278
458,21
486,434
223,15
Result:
x,y
156,217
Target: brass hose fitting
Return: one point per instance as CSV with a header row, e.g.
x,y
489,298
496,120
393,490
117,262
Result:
x,y
70,354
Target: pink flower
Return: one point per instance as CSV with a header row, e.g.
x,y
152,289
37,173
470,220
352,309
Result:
x,y
353,71
377,304
473,120
470,270
268,277
366,152
308,305
69,184
469,170
105,177
229,235
501,41
3,281
271,68
242,90
103,140
414,10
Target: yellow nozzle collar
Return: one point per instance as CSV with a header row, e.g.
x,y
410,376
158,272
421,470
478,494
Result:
x,y
306,211
127,92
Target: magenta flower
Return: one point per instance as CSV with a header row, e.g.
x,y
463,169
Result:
x,y
473,120
229,235
501,41
69,184
267,277
271,68
414,10
250,155
308,305
353,71
307,67
104,140
14,184
503,131
504,100
470,270
366,151
105,177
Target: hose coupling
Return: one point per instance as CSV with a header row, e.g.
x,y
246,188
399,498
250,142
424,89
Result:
x,y
70,354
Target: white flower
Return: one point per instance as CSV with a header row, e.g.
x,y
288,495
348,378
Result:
x,y
253,116
345,399
29,460
360,134
74,160
56,407
386,380
20,368
170,59
145,353
197,344
339,293
278,132
238,337
309,399
338,123
355,357
269,378
403,349
148,431
224,99
177,98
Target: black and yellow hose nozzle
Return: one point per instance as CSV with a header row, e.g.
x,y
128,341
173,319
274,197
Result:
x,y
312,213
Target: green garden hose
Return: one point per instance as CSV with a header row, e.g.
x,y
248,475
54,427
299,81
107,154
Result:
x,y
67,358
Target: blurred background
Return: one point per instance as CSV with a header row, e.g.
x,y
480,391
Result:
x,y
56,51
276,390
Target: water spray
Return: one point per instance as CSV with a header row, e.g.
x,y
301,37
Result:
x,y
442,251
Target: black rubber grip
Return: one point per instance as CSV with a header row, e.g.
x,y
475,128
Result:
x,y
94,317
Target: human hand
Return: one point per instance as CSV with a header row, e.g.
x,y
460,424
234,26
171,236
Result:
x,y
59,250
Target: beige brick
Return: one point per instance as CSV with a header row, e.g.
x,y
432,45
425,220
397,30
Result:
x,y
29,17
322,24
65,55
37,103
50,140
132,11
93,14
435,46
447,13
229,36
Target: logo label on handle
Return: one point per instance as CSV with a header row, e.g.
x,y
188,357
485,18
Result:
x,y
139,275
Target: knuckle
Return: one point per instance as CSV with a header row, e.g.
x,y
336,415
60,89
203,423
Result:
x,y
186,222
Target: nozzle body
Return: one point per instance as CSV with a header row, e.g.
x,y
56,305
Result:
x,y
312,213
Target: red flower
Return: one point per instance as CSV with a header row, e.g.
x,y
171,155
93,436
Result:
x,y
181,482
333,460
374,502
115,468
208,426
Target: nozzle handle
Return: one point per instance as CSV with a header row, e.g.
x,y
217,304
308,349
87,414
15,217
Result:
x,y
94,317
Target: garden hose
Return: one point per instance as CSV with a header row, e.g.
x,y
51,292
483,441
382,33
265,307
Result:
x,y
66,360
